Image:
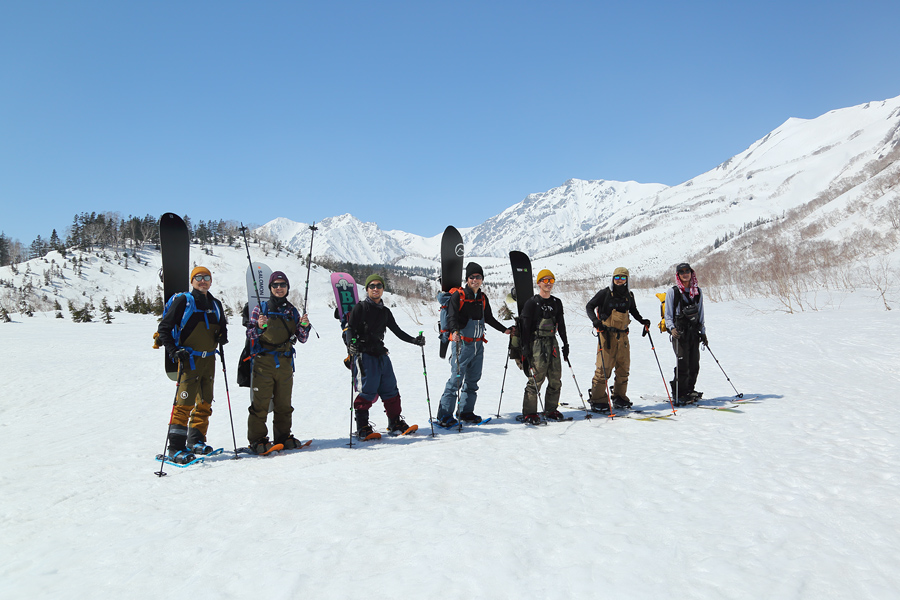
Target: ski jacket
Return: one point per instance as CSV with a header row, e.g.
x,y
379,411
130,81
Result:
x,y
208,311
472,317
542,317
368,322
283,324
676,303
606,301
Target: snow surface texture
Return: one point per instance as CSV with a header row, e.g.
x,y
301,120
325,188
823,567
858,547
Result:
x,y
794,497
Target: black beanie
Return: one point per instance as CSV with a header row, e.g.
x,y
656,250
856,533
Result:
x,y
474,268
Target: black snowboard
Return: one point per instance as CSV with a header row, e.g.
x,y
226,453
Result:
x,y
452,252
175,245
523,282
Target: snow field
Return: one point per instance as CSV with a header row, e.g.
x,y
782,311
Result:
x,y
793,497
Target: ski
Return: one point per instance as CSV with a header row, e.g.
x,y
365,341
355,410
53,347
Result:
x,y
175,248
452,253
167,460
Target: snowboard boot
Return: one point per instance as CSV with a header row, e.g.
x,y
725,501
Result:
x,y
201,448
397,426
292,443
621,403
447,422
554,415
470,418
532,419
181,457
262,446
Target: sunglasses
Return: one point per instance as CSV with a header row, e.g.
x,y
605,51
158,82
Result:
x,y
684,272
376,286
620,278
475,277
279,284
547,280
202,277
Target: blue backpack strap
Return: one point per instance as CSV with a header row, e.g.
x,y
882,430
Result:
x,y
189,308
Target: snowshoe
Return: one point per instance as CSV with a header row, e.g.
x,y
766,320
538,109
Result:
x,y
621,403
264,447
292,443
554,415
602,407
447,422
532,419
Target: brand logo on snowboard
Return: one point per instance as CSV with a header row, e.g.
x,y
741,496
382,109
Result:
x,y
459,250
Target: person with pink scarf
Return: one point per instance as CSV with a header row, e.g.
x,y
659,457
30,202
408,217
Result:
x,y
686,324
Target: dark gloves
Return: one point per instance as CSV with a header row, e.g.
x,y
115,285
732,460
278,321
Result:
x,y
420,340
352,348
181,354
597,324
646,324
703,339
565,350
223,339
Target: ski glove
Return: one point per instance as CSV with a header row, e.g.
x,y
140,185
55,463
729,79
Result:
x,y
182,355
420,340
703,339
352,348
565,351
597,324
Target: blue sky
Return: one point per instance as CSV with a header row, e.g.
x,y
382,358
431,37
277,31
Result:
x,y
410,114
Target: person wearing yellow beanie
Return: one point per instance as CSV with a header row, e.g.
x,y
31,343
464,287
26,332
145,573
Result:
x,y
191,329
541,319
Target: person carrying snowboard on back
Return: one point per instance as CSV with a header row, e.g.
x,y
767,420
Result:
x,y
609,311
369,319
467,313
541,319
192,344
687,326
275,326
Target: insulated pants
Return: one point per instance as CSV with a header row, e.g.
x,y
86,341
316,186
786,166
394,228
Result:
x,y
271,384
687,354
471,361
546,365
193,404
618,357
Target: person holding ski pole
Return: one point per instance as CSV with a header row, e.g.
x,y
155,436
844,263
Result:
x,y
192,327
368,321
687,327
468,310
609,312
541,319
273,329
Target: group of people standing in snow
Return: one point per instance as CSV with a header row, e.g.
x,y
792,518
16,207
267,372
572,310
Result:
x,y
276,325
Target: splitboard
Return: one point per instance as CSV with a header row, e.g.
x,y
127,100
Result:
x,y
175,248
452,254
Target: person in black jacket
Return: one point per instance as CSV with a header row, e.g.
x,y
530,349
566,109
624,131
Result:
x,y
467,314
193,345
368,322
608,311
541,319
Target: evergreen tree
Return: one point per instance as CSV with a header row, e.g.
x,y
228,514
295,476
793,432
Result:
x,y
106,311
55,243
4,250
4,316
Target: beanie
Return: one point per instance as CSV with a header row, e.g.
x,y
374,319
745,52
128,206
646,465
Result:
x,y
279,275
200,271
545,273
474,269
374,277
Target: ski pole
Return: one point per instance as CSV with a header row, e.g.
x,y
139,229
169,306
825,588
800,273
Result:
x,y
458,381
503,384
665,385
739,394
161,472
352,386
314,229
228,397
577,387
250,262
427,395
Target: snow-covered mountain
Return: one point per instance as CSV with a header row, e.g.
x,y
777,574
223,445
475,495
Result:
x,y
844,158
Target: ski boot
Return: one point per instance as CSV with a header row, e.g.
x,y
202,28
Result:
x,y
181,457
554,415
201,448
470,418
532,419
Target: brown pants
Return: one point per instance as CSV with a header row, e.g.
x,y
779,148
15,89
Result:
x,y
193,404
617,357
271,384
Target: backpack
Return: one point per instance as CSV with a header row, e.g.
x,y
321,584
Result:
x,y
189,309
662,312
444,299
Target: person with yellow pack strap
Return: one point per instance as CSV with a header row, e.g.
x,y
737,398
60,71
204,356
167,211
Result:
x,y
609,312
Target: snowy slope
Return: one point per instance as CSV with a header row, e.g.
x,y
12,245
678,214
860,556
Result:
x,y
852,153
793,497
